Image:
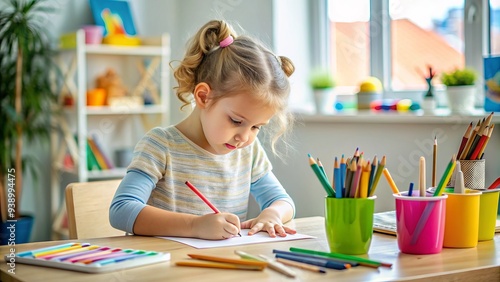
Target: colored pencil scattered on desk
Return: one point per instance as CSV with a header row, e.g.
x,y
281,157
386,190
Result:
x,y
301,265
475,139
361,261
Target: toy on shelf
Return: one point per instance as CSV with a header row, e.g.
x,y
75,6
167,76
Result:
x,y
370,90
399,105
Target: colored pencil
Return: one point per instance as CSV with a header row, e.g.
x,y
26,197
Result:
x,y
343,167
278,266
322,179
365,179
336,179
434,162
342,261
356,168
465,138
446,177
470,140
421,182
301,265
59,250
378,173
391,182
228,260
361,261
204,199
348,177
320,165
315,261
211,264
410,190
372,173
272,264
479,145
480,155
495,184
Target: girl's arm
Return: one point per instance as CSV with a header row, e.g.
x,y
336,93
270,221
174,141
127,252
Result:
x,y
129,212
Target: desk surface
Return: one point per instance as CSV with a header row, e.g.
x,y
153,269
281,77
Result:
x,y
473,264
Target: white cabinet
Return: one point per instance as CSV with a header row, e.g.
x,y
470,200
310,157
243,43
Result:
x,y
143,70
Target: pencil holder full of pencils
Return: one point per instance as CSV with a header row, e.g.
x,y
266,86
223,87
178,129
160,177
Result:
x,y
474,174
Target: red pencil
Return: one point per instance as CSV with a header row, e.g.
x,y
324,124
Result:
x,y
465,138
197,192
479,145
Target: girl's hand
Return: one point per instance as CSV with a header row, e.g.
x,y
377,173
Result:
x,y
216,226
269,221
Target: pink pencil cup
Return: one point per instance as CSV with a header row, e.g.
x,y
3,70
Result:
x,y
420,223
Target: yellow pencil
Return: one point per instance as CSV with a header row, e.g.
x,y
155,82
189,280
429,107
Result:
x,y
76,246
388,176
365,177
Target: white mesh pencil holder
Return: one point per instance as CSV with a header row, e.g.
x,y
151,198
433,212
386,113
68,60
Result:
x,y
474,174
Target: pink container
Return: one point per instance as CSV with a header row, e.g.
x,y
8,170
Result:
x,y
420,223
93,34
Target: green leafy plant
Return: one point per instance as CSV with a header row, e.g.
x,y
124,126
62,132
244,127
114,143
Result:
x,y
28,96
321,79
459,77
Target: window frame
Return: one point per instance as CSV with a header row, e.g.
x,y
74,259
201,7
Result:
x,y
476,42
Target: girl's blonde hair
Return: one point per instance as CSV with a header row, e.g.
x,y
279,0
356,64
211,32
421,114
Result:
x,y
243,66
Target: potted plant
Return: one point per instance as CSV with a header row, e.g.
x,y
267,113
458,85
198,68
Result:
x,y
322,83
460,89
27,99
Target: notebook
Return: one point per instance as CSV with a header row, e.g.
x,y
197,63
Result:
x,y
385,222
85,257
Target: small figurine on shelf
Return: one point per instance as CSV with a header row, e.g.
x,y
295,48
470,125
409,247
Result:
x,y
429,101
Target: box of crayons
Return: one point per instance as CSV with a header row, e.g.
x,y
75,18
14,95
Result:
x,y
86,257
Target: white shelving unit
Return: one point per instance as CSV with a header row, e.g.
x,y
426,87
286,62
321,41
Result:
x,y
115,127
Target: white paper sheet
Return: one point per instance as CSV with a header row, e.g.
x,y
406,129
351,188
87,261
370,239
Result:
x,y
261,237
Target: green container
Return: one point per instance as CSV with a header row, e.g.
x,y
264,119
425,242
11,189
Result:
x,y
349,224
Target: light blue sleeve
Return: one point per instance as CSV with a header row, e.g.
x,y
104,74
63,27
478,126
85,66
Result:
x,y
268,189
130,198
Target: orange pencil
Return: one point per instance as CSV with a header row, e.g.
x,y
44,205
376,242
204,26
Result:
x,y
466,149
211,264
434,162
228,260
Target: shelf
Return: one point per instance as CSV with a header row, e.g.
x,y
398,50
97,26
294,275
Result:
x,y
105,110
107,174
104,49
441,116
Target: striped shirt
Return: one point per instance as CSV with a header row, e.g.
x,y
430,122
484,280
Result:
x,y
169,159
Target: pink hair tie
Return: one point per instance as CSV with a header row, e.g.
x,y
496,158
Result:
x,y
226,42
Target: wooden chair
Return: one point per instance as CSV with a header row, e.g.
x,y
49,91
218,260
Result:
x,y
87,206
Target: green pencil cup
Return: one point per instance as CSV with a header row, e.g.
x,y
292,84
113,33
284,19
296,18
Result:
x,y
349,224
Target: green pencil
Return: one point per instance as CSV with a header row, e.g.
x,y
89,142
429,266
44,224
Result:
x,y
319,174
446,177
376,178
361,261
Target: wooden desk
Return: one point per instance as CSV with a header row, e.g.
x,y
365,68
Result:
x,y
474,264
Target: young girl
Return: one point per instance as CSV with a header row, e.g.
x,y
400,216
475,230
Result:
x,y
238,86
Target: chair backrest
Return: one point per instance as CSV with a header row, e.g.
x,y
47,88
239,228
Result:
x,y
87,205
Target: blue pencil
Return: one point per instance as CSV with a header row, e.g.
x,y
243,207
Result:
x,y
410,190
315,261
342,261
336,178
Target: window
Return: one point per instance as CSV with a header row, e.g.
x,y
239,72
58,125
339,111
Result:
x,y
398,40
495,27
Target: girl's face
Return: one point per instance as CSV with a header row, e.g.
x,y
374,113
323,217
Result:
x,y
233,123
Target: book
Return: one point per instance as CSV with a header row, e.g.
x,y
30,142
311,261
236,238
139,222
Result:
x,y
107,160
92,163
385,222
97,153
85,257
